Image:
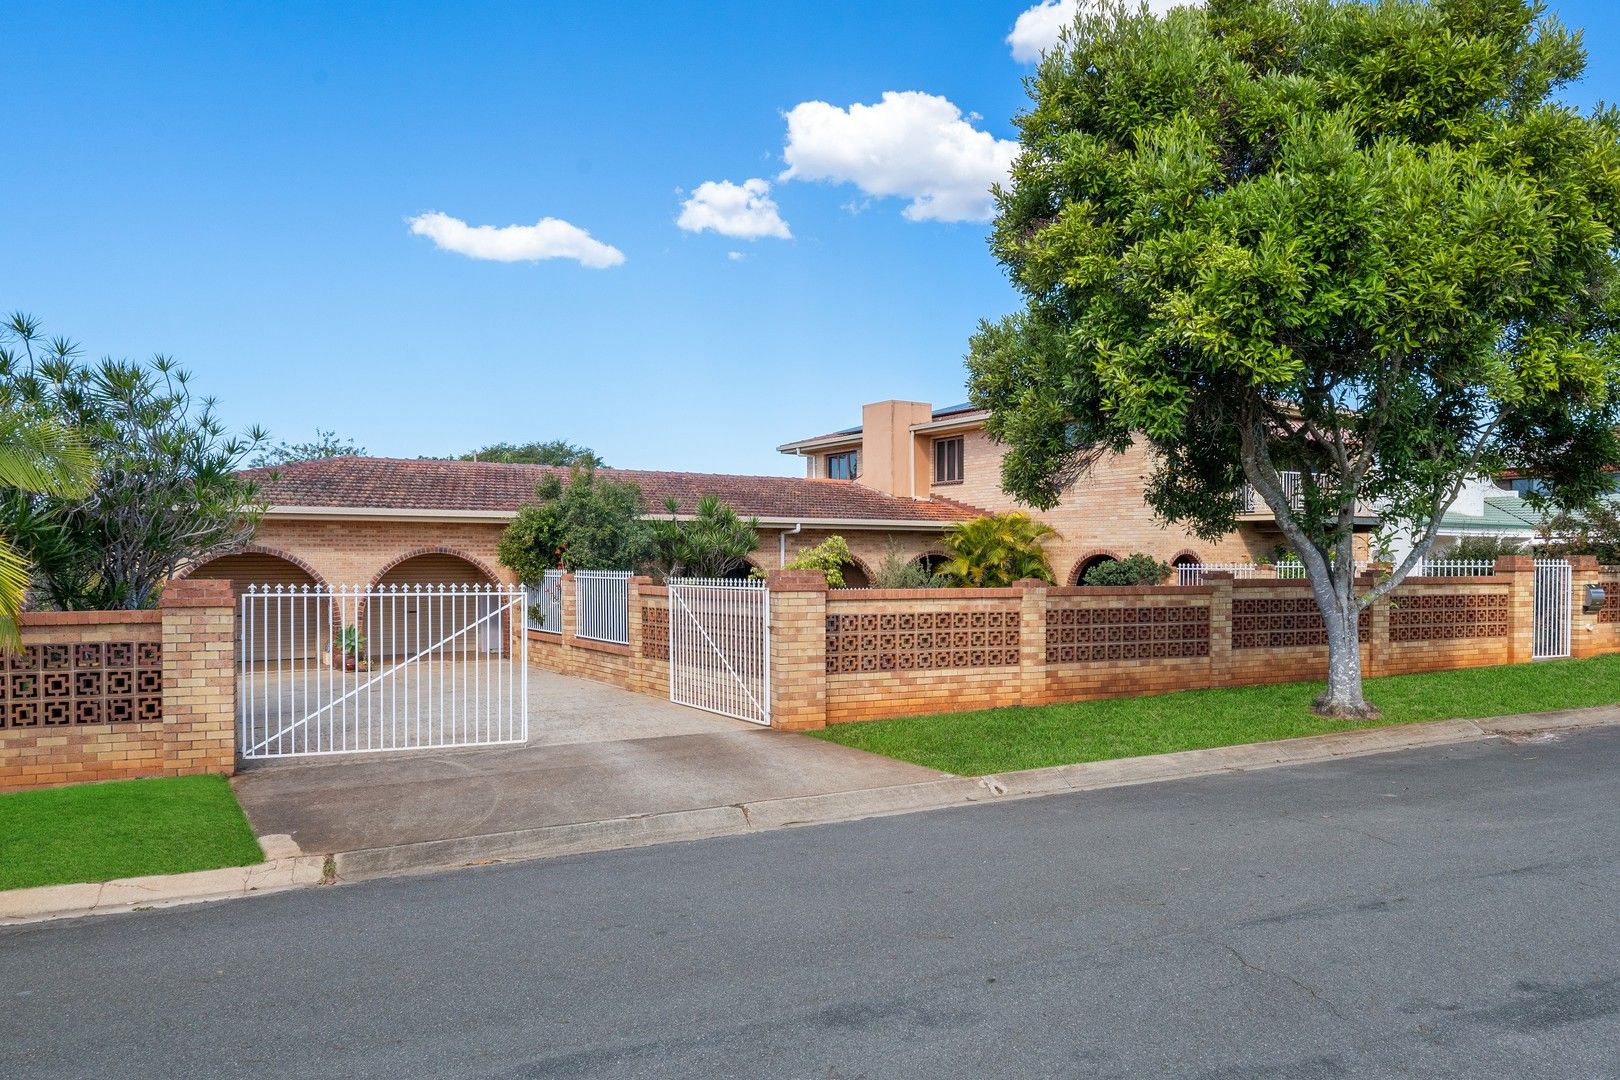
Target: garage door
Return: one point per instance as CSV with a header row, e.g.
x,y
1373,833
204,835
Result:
x,y
415,621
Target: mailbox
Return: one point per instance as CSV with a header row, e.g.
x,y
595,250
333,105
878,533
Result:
x,y
1594,600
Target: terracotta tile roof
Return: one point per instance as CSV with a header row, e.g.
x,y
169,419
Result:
x,y
423,484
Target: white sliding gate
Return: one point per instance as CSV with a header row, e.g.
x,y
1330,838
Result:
x,y
720,647
1555,609
392,667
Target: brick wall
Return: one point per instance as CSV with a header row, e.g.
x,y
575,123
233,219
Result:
x,y
357,551
113,695
641,666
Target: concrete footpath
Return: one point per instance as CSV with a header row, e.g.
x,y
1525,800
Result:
x,y
290,867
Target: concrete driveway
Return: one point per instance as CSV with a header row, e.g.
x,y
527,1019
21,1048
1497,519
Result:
x,y
595,752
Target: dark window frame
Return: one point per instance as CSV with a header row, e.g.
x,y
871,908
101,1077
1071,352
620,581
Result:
x,y
853,457
948,460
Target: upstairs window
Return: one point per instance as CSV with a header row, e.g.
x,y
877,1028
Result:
x,y
843,466
948,460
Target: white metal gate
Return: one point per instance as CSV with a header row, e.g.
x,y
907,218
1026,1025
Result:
x,y
1555,609
720,647
350,669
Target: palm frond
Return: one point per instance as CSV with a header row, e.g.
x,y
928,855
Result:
x,y
44,457
14,582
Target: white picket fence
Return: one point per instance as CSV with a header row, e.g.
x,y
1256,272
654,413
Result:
x,y
1454,568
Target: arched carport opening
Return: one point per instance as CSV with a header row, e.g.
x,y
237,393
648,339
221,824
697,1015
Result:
x,y
435,603
1078,575
932,561
856,575
287,626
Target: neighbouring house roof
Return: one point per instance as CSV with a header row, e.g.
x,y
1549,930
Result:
x,y
491,489
1507,512
949,412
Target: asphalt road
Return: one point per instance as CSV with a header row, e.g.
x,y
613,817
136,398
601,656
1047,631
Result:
x,y
1437,913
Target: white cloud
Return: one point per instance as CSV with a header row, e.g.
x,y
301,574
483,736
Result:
x,y
911,144
745,211
1037,28
736,256
548,238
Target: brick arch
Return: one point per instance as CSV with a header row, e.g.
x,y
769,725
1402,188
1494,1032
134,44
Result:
x,y
1190,555
1087,561
476,563
258,549
864,567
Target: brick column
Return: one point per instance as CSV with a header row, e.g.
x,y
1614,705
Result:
x,y
1521,571
568,608
1586,634
199,677
798,649
1220,626
1032,602
639,675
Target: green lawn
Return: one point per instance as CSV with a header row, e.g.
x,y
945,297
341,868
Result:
x,y
126,828
1001,740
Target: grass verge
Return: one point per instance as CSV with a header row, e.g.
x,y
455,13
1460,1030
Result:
x,y
124,828
1002,740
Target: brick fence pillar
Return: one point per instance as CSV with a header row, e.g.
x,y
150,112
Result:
x,y
1586,634
798,649
1220,627
568,609
199,677
1521,571
1032,642
1376,653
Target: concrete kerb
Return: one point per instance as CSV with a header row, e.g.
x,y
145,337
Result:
x,y
286,868
159,890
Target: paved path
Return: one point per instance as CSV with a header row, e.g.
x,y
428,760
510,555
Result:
x,y
595,752
1439,913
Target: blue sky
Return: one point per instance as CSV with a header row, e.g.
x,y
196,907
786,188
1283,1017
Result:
x,y
234,184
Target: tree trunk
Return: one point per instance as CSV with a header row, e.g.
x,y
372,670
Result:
x,y
1341,617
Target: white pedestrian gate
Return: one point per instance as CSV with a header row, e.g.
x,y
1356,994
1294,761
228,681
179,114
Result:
x,y
1555,609
352,669
720,647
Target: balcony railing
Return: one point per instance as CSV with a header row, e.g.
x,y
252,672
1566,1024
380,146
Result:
x,y
1293,486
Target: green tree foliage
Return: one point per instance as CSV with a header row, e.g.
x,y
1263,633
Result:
x,y
1595,531
996,550
896,571
830,557
713,543
1484,547
587,523
165,495
558,452
1137,569
326,444
1363,241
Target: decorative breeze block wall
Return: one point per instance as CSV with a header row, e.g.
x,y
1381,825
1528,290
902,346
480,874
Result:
x,y
1446,617
655,632
922,640
1283,623
90,682
1082,635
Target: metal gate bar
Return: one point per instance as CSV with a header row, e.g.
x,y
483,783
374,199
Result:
x,y
349,669
1554,609
719,647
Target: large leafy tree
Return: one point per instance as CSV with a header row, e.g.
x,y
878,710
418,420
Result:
x,y
1360,241
559,452
585,523
996,550
165,495
326,444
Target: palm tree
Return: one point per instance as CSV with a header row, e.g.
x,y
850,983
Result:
x,y
996,550
714,542
38,456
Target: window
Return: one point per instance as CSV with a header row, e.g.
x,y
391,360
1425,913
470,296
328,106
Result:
x,y
843,466
948,461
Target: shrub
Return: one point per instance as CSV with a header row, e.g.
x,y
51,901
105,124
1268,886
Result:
x,y
714,543
996,550
896,571
830,557
1482,547
1137,569
587,524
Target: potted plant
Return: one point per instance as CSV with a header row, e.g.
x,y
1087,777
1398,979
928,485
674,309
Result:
x,y
349,646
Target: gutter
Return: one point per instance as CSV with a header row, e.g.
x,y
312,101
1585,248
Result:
x,y
383,513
